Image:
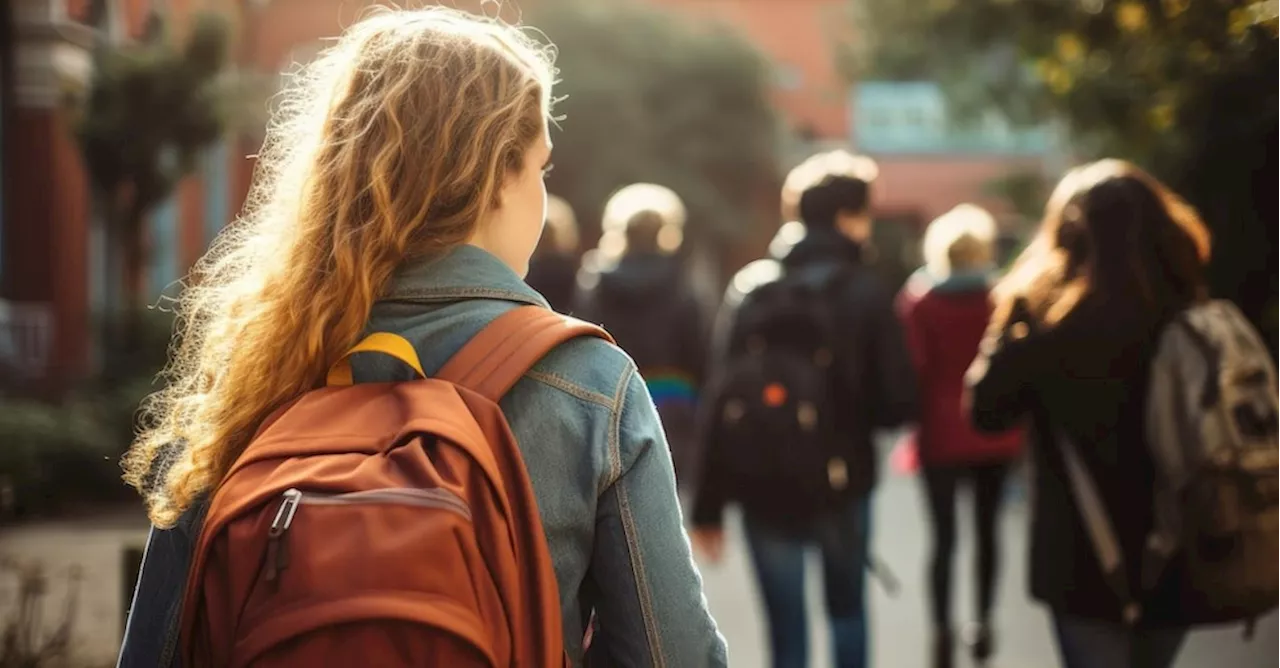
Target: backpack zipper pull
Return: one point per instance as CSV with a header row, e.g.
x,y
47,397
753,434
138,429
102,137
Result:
x,y
277,544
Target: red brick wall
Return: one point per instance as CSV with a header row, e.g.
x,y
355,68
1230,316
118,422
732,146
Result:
x,y
930,186
47,223
191,209
135,12
793,34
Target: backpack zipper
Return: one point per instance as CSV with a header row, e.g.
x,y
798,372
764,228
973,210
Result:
x,y
277,541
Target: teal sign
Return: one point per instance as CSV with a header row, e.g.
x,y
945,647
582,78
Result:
x,y
912,117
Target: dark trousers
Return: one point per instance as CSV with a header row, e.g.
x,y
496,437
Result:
x,y
1087,643
779,560
940,483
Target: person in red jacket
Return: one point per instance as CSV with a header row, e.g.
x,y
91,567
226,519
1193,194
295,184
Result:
x,y
944,308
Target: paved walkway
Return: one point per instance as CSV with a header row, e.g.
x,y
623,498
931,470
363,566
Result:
x,y
900,639
95,545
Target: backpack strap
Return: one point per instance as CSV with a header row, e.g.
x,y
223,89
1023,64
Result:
x,y
1097,524
492,361
1209,394
379,342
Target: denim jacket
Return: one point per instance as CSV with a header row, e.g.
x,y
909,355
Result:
x,y
597,458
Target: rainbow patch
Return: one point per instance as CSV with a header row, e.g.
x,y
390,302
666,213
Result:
x,y
670,386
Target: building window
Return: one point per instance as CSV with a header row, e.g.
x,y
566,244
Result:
x,y
877,118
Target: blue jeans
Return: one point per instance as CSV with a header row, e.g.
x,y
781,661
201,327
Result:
x,y
1086,643
779,558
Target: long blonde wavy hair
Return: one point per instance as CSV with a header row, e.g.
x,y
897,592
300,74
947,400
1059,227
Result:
x,y
391,146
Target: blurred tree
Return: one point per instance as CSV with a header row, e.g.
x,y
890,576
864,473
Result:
x,y
1186,88
1024,190
151,108
652,96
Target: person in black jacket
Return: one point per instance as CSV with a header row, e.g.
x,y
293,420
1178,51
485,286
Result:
x,y
1069,346
874,388
553,270
635,285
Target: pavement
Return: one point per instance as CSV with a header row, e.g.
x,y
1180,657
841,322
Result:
x,y
84,557
95,547
900,636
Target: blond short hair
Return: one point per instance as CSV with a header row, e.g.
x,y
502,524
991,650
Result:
x,y
642,210
962,239
562,225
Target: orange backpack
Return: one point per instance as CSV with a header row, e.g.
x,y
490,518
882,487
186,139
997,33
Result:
x,y
388,524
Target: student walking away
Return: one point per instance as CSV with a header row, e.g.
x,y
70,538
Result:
x,y
809,360
475,518
553,271
1154,419
945,307
635,285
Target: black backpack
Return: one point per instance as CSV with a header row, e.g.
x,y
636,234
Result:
x,y
773,413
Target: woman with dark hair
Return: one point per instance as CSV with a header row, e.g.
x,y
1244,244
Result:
x,y
1070,343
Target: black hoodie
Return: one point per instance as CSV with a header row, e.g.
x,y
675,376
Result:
x,y
647,305
554,276
879,379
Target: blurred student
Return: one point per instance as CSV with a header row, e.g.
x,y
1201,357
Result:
x,y
553,270
809,360
402,193
945,307
635,285
1072,344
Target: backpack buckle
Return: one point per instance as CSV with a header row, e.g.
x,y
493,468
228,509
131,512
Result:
x,y
1132,613
837,474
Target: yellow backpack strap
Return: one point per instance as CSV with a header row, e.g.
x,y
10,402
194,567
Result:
x,y
379,342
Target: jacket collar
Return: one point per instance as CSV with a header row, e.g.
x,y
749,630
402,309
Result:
x,y
466,272
822,244
923,281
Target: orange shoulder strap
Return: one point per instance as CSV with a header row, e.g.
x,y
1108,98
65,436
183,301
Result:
x,y
497,357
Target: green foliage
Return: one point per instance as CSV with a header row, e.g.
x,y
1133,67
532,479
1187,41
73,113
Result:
x,y
53,455
1120,73
651,96
1025,191
57,457
152,107
1185,88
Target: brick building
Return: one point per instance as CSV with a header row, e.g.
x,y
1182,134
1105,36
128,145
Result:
x,y
51,249
926,167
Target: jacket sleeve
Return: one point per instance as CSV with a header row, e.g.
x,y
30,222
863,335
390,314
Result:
x,y
650,606
712,493
909,315
892,374
152,629
998,383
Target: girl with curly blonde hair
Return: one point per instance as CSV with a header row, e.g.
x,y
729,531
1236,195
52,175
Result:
x,y
400,189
